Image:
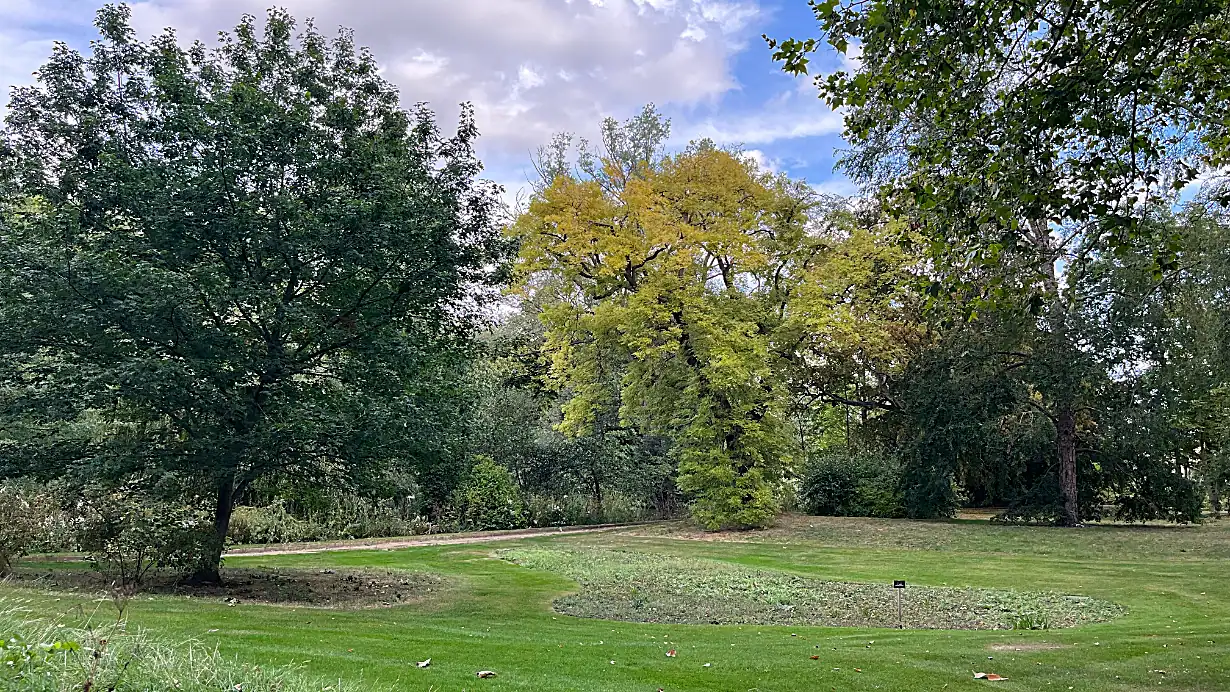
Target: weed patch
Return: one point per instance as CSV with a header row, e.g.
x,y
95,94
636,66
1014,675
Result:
x,y
642,587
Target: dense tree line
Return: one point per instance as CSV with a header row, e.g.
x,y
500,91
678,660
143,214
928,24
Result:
x,y
246,276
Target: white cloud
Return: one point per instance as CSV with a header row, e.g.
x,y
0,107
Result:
x,y
852,59
531,67
527,78
765,126
837,186
763,161
421,66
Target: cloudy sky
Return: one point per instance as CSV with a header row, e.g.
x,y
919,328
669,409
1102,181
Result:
x,y
534,67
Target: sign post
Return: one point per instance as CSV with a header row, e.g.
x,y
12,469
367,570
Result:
x,y
899,586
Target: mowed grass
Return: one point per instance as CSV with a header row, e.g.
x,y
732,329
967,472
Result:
x,y
497,616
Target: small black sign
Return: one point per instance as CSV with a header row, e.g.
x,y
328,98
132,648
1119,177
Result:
x,y
898,583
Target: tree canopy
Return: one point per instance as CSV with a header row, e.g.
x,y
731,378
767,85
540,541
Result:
x,y
232,261
1024,140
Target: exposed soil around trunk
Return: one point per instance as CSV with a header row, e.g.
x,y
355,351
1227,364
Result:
x,y
352,588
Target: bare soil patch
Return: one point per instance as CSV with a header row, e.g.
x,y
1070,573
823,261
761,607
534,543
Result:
x,y
340,588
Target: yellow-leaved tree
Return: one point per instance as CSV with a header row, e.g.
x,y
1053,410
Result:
x,y
675,289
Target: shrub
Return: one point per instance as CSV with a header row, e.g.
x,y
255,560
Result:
x,y
842,483
131,534
578,509
488,499
343,518
30,520
272,524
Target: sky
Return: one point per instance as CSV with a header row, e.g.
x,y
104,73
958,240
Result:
x,y
532,68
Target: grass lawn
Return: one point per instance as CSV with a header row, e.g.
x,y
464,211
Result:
x,y
491,614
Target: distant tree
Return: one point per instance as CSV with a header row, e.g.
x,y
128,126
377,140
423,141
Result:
x,y
705,299
231,262
1022,137
659,264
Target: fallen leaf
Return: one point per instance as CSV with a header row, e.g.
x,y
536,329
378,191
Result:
x,y
670,654
423,664
815,658
486,673
991,677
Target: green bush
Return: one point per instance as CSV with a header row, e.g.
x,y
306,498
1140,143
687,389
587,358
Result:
x,y
488,499
842,483
578,509
131,534
342,518
30,520
272,524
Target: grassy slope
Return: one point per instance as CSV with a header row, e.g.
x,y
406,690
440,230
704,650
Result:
x,y
498,617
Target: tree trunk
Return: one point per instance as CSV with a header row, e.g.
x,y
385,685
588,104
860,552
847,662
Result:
x,y
597,492
1065,424
209,571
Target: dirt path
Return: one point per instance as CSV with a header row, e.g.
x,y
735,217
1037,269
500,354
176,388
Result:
x,y
439,539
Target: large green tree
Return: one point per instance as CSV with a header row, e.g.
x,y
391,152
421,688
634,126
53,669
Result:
x,y
231,262
1023,137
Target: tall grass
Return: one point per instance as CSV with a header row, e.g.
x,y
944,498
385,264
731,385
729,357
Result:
x,y
56,655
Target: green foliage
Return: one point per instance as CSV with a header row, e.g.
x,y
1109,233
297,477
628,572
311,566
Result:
x,y
234,262
1163,495
347,518
841,483
271,524
1025,141
488,499
690,293
131,534
30,520
24,662
1032,621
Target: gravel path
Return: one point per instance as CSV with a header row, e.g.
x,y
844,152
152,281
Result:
x,y
439,539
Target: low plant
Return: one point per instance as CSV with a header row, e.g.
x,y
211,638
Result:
x,y
571,509
343,517
272,524
643,587
29,518
131,534
1031,621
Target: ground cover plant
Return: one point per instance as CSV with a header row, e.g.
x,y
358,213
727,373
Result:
x,y
498,615
645,587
